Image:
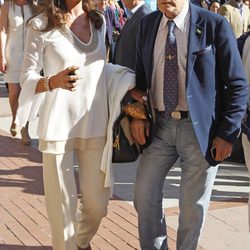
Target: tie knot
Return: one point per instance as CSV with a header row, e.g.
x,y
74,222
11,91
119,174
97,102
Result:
x,y
171,25
171,35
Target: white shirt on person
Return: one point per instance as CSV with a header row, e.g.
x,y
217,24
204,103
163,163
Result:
x,y
181,34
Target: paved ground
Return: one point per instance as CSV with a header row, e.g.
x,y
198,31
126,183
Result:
x,y
23,220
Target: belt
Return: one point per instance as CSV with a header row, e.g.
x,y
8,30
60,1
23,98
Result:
x,y
176,115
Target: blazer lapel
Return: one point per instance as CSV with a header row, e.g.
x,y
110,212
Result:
x,y
196,33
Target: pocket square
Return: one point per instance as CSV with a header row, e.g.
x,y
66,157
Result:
x,y
204,51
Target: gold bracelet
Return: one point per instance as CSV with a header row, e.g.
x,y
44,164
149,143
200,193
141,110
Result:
x,y
46,84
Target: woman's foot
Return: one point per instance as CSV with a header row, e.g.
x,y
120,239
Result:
x,y
26,140
86,248
13,129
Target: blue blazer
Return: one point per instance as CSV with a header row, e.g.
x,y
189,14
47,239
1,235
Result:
x,y
216,85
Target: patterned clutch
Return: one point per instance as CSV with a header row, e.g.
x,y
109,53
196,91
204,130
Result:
x,y
136,110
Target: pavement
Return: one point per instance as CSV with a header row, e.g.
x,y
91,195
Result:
x,y
23,219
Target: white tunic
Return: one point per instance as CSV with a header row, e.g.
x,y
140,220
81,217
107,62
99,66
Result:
x,y
64,114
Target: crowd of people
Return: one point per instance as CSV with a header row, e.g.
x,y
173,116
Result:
x,y
71,62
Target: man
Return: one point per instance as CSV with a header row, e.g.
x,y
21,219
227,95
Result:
x,y
238,16
125,48
199,95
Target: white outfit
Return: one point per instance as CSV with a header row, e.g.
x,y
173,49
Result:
x,y
14,50
54,51
245,141
67,226
80,121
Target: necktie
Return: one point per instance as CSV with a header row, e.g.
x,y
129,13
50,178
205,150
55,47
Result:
x,y
170,85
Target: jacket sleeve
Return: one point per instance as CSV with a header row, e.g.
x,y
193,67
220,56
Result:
x,y
233,83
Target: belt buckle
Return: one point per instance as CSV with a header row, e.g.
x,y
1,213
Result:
x,y
176,115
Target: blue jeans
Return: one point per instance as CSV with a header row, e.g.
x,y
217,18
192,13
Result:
x,y
173,139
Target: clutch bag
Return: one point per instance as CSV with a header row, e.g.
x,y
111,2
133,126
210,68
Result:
x,y
125,149
135,110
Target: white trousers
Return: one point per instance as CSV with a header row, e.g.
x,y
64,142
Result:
x,y
246,148
70,227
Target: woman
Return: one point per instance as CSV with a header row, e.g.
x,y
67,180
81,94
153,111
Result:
x,y
14,15
214,6
67,41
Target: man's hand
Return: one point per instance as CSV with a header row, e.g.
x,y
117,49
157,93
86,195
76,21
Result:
x,y
139,130
223,148
138,95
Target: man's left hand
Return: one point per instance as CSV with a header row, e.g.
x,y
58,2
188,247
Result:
x,y
223,148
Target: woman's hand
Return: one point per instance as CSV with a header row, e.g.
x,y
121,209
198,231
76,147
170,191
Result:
x,y
65,79
3,65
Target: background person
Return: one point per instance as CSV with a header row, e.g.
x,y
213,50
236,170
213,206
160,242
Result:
x,y
14,15
198,113
112,24
237,14
246,120
125,48
119,12
247,3
214,6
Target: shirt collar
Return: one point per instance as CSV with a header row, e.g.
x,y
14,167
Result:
x,y
178,20
137,6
